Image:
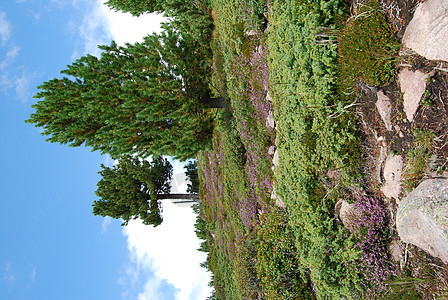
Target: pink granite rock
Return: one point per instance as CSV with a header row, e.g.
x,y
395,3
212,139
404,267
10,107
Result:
x,y
422,217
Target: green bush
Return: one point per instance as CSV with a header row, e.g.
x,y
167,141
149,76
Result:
x,y
277,261
367,48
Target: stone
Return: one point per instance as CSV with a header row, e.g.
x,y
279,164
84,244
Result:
x,y
277,199
275,158
344,210
427,33
412,85
270,120
271,150
393,168
395,250
384,107
268,97
383,156
422,217
251,32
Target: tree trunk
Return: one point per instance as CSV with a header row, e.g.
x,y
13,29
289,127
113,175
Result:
x,y
213,102
191,197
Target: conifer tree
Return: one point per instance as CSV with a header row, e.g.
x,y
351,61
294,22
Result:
x,y
146,98
132,189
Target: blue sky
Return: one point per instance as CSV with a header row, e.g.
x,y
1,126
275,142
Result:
x,y
52,247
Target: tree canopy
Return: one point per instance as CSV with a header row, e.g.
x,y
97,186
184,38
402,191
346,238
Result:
x,y
129,190
146,98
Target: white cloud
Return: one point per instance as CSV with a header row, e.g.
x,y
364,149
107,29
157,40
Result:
x,y
20,83
33,274
105,224
169,252
100,25
109,162
9,275
5,28
124,27
11,54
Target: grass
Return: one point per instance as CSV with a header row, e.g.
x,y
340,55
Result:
x,y
418,157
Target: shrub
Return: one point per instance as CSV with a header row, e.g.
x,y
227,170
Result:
x,y
277,260
367,48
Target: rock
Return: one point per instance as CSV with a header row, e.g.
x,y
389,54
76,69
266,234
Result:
x,y
271,150
422,217
395,250
345,211
427,33
268,97
277,199
270,119
383,156
251,33
393,168
384,107
275,158
398,129
412,85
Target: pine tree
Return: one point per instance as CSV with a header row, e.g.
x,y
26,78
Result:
x,y
147,98
133,189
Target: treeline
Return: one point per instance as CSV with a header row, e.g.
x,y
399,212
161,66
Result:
x,y
135,101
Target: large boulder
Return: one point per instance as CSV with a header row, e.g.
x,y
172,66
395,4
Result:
x,y
427,33
422,217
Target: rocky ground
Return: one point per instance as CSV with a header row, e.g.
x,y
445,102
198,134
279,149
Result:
x,y
390,116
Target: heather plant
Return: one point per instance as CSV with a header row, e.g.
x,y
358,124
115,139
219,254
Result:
x,y
368,224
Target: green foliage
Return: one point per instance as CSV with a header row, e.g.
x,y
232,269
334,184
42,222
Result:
x,y
417,158
316,134
145,98
367,48
129,190
277,260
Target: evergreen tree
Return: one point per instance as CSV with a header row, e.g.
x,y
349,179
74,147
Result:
x,y
132,189
147,98
129,190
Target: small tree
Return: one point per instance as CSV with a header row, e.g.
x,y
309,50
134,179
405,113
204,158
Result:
x,y
129,190
132,189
